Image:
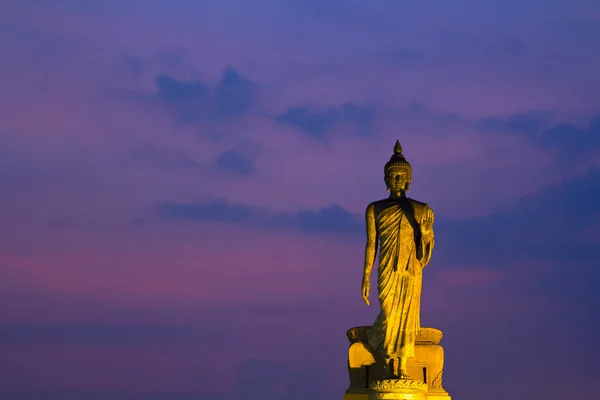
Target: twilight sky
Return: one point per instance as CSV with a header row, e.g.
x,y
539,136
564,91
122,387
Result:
x,y
184,182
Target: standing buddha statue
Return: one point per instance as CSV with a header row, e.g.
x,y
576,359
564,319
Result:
x,y
402,229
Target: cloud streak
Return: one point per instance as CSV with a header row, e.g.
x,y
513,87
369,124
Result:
x,y
316,123
331,219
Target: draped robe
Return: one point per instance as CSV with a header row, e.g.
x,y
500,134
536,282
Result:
x,y
402,255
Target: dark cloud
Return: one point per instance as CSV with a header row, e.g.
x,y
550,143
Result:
x,y
194,100
317,122
235,94
545,226
526,124
216,211
189,98
234,162
359,119
572,141
330,219
564,135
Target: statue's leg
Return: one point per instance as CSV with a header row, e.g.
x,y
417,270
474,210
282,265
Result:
x,y
403,373
403,370
395,368
390,367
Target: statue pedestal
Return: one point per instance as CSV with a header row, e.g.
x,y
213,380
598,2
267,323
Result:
x,y
426,367
364,395
397,389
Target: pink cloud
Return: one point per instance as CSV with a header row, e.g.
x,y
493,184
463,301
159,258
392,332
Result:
x,y
203,261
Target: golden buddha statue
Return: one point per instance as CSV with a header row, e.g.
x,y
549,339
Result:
x,y
402,228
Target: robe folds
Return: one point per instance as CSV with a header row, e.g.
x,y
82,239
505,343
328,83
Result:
x,y
403,253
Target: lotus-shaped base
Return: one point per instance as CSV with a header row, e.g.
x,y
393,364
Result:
x,y
397,389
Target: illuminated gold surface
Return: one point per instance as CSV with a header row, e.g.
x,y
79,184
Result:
x,y
427,366
396,358
397,389
402,229
365,396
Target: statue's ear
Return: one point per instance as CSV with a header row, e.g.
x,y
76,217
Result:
x,y
407,186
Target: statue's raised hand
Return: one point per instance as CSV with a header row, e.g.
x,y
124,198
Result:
x,y
427,223
366,288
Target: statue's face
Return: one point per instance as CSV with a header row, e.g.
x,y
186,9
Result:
x,y
397,178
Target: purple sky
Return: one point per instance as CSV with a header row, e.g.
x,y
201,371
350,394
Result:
x,y
184,183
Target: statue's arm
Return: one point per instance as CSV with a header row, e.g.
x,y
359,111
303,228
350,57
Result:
x,y
371,247
427,235
370,251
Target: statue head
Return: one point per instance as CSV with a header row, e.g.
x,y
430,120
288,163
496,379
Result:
x,y
398,172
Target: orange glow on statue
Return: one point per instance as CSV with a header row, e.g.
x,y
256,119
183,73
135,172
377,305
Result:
x,y
402,229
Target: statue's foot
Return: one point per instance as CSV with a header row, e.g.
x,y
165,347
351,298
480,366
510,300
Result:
x,y
394,376
404,375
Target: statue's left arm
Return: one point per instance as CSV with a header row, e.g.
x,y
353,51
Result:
x,y
370,251
427,239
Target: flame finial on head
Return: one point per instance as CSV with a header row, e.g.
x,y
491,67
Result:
x,y
398,148
398,160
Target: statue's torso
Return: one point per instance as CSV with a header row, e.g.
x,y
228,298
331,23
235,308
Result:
x,y
397,224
